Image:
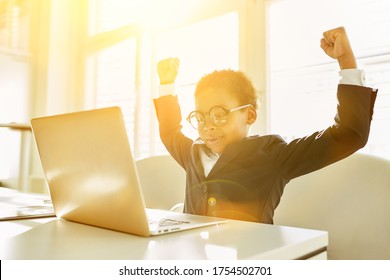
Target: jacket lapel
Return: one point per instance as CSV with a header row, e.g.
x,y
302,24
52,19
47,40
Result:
x,y
230,153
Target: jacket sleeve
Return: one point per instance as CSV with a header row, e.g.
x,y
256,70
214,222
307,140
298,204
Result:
x,y
348,134
169,118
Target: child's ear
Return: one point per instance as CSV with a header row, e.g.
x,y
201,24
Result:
x,y
251,115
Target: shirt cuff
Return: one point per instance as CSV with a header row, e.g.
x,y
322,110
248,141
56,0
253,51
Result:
x,y
167,89
354,77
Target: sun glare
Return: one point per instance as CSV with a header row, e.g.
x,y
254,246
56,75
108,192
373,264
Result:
x,y
155,15
150,15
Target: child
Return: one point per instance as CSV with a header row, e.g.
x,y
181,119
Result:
x,y
235,176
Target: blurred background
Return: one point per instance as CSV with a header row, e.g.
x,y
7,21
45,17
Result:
x,y
59,56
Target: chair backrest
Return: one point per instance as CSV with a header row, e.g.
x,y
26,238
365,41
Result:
x,y
162,181
350,199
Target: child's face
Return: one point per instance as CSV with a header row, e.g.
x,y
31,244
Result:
x,y
218,137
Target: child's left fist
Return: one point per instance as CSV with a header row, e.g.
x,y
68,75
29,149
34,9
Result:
x,y
335,44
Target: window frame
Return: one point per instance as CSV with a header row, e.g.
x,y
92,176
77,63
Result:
x,y
251,47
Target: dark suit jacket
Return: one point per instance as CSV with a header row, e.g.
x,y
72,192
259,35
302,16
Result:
x,y
248,179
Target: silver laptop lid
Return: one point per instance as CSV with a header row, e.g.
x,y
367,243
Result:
x,y
90,170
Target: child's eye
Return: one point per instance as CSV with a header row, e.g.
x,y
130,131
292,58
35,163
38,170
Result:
x,y
218,114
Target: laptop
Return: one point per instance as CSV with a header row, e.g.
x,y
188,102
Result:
x,y
92,176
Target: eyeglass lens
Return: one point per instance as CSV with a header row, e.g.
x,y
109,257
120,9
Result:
x,y
217,115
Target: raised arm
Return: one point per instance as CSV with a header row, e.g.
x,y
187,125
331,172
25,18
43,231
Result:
x,y
350,131
169,114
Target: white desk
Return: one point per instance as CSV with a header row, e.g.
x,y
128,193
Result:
x,y
52,238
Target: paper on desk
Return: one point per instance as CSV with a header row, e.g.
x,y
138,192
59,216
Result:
x,y
18,205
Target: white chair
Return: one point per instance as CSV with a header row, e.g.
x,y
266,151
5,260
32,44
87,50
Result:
x,y
163,182
350,199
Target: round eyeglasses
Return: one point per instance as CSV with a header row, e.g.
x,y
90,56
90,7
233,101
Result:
x,y
217,115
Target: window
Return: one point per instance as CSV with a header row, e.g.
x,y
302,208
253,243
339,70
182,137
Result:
x,y
303,80
126,40
15,26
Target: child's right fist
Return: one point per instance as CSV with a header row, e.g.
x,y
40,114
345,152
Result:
x,y
167,70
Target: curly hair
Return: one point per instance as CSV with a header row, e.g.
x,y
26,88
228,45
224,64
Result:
x,y
235,82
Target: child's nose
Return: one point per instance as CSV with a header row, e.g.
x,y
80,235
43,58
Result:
x,y
208,125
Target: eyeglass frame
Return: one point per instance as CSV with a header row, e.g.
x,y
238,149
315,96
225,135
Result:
x,y
227,111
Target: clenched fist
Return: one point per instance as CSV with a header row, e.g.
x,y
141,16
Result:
x,y
167,70
335,44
